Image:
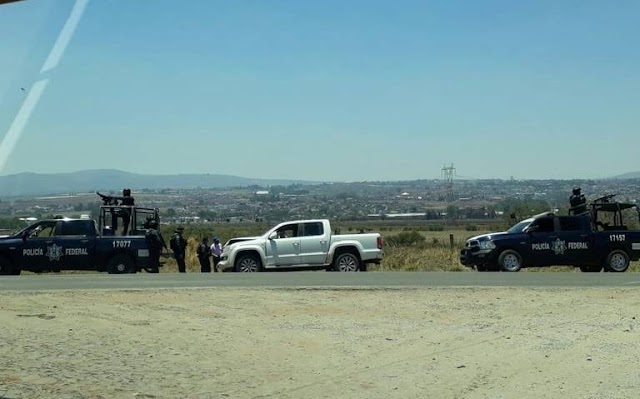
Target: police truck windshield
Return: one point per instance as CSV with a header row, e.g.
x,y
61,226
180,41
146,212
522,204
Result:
x,y
519,227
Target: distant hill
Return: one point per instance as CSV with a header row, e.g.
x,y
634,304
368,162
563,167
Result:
x,y
107,180
630,175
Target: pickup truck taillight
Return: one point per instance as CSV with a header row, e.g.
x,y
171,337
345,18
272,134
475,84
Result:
x,y
380,242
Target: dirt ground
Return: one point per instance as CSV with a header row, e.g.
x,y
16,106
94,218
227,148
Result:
x,y
301,343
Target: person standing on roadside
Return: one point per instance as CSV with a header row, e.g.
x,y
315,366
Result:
x,y
155,243
216,251
203,256
179,247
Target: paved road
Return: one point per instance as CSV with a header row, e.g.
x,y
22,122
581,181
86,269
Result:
x,y
316,280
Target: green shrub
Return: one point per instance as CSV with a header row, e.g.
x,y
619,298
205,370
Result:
x,y
405,239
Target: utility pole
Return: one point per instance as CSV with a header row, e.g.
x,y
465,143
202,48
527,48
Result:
x,y
448,172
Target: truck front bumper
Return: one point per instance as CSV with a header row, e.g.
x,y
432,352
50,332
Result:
x,y
476,258
224,265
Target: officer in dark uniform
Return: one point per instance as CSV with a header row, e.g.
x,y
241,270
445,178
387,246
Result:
x,y
578,202
155,243
203,256
127,201
179,247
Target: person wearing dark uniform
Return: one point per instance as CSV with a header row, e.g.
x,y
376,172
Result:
x,y
578,202
127,201
155,243
179,247
203,256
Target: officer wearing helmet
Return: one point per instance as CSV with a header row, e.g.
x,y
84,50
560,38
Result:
x,y
578,202
155,243
126,201
179,247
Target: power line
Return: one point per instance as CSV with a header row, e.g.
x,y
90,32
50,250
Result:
x,y
448,172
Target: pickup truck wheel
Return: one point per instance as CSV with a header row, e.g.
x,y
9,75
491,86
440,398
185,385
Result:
x,y
121,264
347,262
6,267
510,261
247,264
617,261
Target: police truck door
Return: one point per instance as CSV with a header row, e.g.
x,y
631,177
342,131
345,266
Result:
x,y
539,245
77,241
35,254
574,241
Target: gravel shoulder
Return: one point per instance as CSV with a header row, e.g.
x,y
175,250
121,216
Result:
x,y
318,343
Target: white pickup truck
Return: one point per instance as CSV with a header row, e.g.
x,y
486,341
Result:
x,y
303,244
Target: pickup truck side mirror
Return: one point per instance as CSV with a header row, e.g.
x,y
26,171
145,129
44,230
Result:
x,y
531,229
273,236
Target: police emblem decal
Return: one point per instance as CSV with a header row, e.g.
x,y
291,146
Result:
x,y
54,252
559,247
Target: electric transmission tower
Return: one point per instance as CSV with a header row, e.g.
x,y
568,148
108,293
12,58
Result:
x,y
448,172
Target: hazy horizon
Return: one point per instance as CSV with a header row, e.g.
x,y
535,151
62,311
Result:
x,y
636,175
331,91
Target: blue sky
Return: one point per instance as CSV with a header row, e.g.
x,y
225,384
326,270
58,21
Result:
x,y
330,90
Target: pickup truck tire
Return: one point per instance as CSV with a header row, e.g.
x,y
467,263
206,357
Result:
x,y
617,261
510,261
248,264
6,267
121,264
346,262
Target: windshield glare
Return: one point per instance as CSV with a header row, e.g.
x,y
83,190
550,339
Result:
x,y
520,226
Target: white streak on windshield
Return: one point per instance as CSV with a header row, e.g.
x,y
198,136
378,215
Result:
x,y
15,130
65,36
20,121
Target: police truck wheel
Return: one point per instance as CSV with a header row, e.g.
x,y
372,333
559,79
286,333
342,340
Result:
x,y
121,264
248,264
617,261
510,261
6,267
347,262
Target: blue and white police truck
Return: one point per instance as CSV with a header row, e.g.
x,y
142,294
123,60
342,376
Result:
x,y
596,240
79,244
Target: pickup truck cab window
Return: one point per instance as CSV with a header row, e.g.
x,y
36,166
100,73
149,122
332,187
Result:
x,y
43,230
544,224
312,229
288,231
572,223
76,228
